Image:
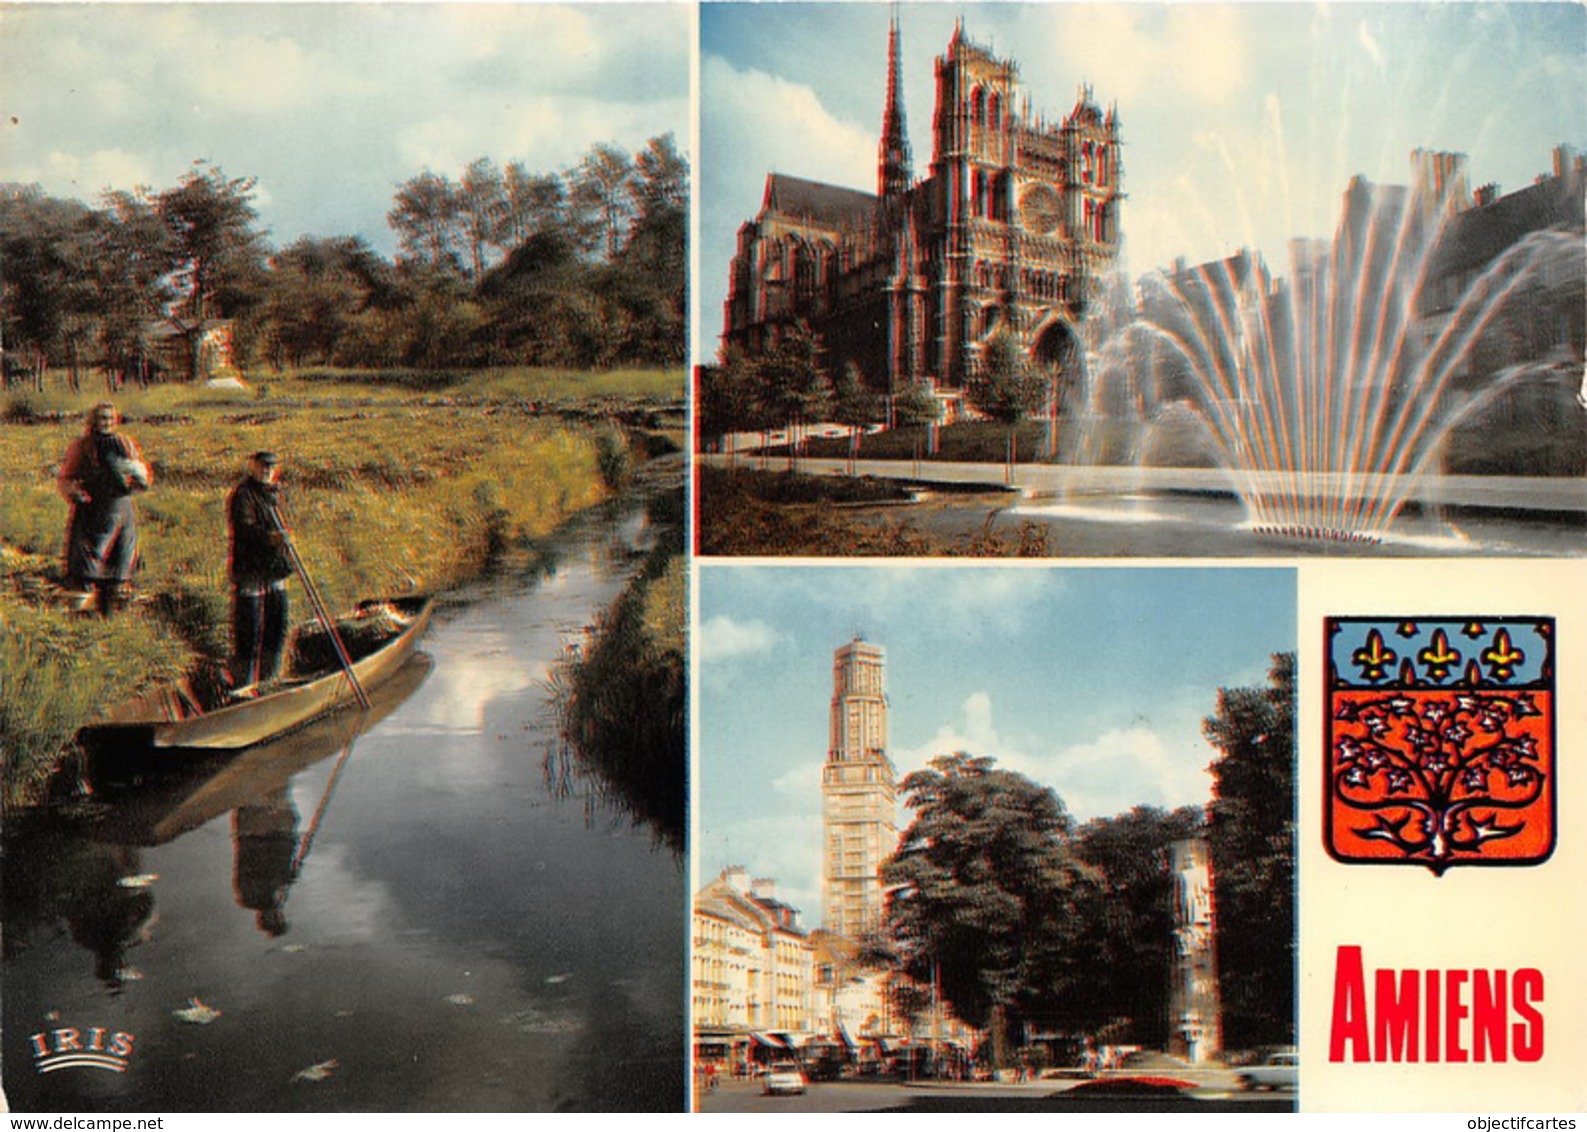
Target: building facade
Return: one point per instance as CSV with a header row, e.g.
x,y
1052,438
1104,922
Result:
x,y
859,802
1009,231
753,970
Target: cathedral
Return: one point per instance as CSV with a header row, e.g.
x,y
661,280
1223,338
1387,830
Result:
x,y
1009,232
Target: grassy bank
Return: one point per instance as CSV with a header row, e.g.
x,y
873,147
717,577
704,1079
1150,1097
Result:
x,y
392,490
743,511
622,699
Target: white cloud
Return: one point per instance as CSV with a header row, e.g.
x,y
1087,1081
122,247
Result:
x,y
973,731
783,847
1122,768
722,637
89,174
1132,51
1109,774
802,782
760,123
1208,48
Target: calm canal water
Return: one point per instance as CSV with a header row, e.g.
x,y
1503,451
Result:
x,y
476,922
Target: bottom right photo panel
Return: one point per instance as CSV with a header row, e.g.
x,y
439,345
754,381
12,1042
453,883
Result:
x,y
1442,872
991,838
1158,838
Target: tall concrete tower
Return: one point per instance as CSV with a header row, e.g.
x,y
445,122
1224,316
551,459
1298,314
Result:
x,y
859,802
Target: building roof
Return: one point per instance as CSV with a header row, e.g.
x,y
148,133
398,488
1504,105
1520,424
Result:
x,y
1479,235
830,205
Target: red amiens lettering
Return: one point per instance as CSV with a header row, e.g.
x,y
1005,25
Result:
x,y
1454,1015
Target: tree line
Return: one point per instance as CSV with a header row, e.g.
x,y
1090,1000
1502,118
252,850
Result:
x,y
788,385
585,267
1029,923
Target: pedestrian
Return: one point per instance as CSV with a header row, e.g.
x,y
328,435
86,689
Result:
x,y
260,565
102,469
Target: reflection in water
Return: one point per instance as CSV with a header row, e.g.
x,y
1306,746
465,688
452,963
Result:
x,y
458,941
617,694
265,837
53,879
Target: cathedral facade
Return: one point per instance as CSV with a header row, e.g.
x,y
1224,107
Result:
x,y
1010,231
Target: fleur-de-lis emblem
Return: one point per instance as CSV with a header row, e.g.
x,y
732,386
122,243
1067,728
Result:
x,y
1502,657
1374,657
1438,657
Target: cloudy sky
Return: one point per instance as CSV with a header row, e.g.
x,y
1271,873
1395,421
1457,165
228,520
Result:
x,y
1092,681
1242,123
330,106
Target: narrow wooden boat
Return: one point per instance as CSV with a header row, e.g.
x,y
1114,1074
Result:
x,y
199,713
152,802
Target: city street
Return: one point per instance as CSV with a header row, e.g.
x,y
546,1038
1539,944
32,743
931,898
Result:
x,y
931,1096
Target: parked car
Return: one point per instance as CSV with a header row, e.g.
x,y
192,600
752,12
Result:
x,y
783,1077
1279,1071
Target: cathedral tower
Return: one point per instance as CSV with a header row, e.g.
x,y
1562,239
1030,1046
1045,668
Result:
x,y
893,172
858,798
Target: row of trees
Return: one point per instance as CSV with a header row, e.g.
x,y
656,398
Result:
x,y
1027,922
586,267
788,386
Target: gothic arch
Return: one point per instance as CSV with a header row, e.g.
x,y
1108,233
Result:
x,y
1058,350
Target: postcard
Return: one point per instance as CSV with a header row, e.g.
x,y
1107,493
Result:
x,y
1026,329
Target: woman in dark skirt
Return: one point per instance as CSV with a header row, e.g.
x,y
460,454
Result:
x,y
101,471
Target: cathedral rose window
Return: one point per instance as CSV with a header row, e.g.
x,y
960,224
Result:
x,y
1039,209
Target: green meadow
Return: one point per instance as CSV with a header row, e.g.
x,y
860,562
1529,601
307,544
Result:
x,y
396,482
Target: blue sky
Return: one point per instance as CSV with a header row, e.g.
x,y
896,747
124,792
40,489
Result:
x,y
1094,681
330,106
1242,124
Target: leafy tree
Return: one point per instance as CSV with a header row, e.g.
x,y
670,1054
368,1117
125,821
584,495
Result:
x,y
542,308
534,203
983,885
481,207
856,405
916,406
1010,388
795,386
317,287
602,198
1124,951
46,252
1252,837
130,278
727,398
426,215
218,255
662,180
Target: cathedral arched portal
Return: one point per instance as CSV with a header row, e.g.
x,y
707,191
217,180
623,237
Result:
x,y
1057,351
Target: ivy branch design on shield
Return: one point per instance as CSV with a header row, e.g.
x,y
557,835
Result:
x,y
1437,774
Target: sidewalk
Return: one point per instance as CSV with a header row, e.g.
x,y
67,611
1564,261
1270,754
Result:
x,y
1509,493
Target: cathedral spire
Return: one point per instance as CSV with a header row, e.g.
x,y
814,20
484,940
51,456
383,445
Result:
x,y
893,170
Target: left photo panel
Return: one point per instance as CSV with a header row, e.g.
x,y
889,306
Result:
x,y
343,596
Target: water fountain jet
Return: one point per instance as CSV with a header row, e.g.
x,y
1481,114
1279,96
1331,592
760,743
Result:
x,y
1326,398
